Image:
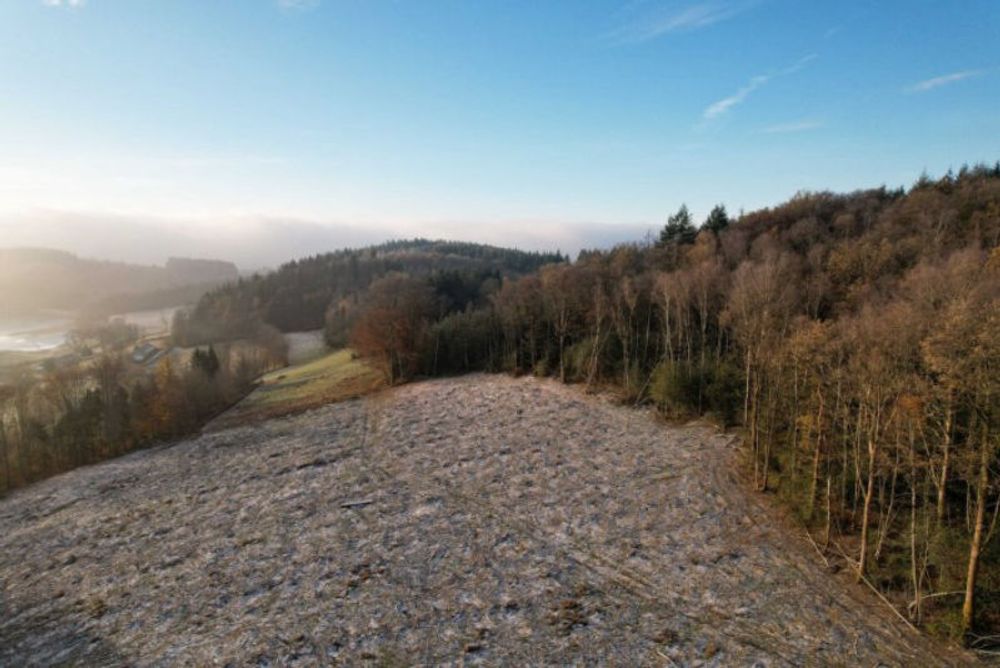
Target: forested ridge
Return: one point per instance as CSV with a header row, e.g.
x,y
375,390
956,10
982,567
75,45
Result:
x,y
854,339
38,278
95,402
300,293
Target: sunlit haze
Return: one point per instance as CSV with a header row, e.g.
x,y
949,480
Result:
x,y
265,129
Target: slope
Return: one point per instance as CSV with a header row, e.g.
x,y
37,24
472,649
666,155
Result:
x,y
477,520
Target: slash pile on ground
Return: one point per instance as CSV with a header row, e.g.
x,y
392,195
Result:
x,y
464,521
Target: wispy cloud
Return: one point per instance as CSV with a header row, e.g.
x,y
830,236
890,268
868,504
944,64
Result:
x,y
795,126
297,4
672,20
937,82
64,3
722,106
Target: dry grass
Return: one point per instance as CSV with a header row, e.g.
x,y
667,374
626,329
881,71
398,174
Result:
x,y
305,347
334,377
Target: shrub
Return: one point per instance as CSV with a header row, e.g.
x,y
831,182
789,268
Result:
x,y
681,389
674,389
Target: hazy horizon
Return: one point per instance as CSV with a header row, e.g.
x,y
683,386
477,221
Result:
x,y
265,242
262,243
261,131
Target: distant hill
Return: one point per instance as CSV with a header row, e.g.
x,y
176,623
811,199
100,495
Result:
x,y
33,279
297,295
186,271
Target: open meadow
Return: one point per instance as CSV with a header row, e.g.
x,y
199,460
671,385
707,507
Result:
x,y
334,376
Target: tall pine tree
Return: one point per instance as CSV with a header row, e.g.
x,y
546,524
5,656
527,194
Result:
x,y
717,220
679,229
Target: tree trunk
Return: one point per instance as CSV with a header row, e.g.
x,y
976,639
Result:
x,y
817,449
437,348
885,520
813,484
701,363
769,432
945,457
795,419
592,372
914,568
562,358
668,337
969,605
746,390
866,512
755,432
829,511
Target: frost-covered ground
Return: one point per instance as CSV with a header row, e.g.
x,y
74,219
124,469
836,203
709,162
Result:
x,y
481,520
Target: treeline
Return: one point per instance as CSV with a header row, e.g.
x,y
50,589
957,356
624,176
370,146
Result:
x,y
299,294
93,403
103,406
145,301
854,338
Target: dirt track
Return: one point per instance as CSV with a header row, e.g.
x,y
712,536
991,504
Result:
x,y
476,520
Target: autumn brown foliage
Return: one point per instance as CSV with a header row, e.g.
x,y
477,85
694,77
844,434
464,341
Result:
x,y
103,404
854,338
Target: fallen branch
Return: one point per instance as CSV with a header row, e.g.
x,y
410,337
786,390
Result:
x,y
853,563
925,597
357,504
816,547
977,642
889,604
881,597
666,658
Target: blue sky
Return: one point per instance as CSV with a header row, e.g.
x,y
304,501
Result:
x,y
482,116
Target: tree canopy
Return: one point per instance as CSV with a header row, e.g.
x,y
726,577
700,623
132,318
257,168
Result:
x,y
679,229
